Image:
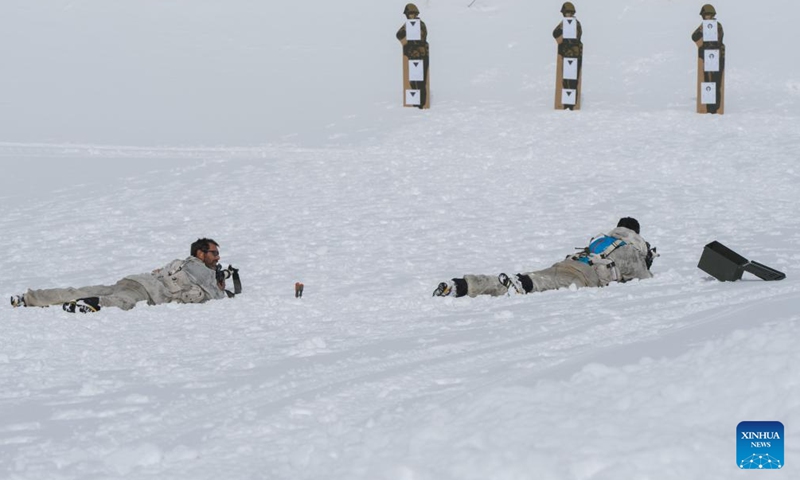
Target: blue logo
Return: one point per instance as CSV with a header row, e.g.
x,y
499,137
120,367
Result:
x,y
759,445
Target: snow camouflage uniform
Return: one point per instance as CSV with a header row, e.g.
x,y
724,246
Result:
x,y
629,262
181,281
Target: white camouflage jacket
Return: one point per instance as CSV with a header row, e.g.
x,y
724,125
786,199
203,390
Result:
x,y
630,259
181,281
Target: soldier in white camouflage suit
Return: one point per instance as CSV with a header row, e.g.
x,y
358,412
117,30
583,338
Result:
x,y
193,280
618,256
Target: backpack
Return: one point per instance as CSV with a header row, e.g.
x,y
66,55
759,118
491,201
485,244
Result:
x,y
596,255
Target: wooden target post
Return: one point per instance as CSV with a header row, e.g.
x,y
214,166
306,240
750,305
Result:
x,y
569,62
413,35
710,63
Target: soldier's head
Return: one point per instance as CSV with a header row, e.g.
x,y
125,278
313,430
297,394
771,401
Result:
x,y
630,223
206,250
568,9
411,10
708,11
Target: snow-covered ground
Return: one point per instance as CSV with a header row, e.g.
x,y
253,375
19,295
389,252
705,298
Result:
x,y
129,129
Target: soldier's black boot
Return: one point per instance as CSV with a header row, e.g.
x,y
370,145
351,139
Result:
x,y
18,301
83,305
444,289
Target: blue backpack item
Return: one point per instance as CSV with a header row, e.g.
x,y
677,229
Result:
x,y
601,246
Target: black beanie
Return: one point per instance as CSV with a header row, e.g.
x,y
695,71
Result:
x,y
629,222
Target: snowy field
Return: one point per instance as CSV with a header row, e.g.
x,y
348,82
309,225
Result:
x,y
129,129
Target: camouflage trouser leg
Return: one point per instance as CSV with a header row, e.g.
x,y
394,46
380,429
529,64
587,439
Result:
x,y
125,294
484,285
562,275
